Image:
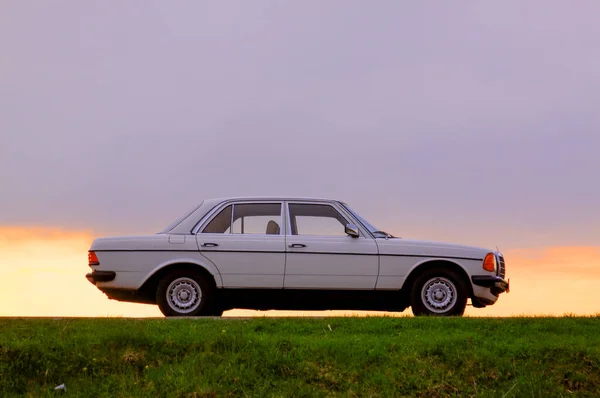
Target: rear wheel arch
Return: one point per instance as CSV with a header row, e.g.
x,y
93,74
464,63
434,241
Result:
x,y
150,286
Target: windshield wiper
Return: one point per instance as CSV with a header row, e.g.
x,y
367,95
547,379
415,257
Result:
x,y
387,235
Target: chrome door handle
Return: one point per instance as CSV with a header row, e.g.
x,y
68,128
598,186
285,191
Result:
x,y
296,245
208,244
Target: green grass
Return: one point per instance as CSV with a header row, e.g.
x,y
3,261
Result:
x,y
262,357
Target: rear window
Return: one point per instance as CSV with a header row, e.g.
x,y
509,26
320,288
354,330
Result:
x,y
180,219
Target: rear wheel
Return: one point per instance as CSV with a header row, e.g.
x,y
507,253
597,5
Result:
x,y
184,293
439,292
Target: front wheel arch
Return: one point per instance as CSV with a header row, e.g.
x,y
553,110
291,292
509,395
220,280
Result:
x,y
445,264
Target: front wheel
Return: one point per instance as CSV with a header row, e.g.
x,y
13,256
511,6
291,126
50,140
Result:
x,y
182,293
439,292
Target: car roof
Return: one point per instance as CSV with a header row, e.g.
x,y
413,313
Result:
x,y
277,198
187,222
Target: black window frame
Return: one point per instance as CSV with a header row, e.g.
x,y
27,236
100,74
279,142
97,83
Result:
x,y
232,205
292,219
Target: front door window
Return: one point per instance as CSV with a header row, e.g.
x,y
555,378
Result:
x,y
316,220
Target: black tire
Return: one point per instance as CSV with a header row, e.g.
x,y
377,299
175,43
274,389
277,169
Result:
x,y
445,295
188,289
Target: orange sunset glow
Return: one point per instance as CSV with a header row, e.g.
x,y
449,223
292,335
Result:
x,y
43,271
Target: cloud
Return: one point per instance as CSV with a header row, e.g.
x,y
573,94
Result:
x,y
43,271
118,118
565,262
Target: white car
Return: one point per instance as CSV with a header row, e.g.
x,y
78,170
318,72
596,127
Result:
x,y
291,253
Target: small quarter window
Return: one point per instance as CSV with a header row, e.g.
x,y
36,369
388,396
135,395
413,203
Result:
x,y
221,223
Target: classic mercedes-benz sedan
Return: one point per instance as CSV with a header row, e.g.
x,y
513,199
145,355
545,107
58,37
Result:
x,y
292,254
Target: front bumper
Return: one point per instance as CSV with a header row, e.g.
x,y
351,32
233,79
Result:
x,y
496,284
100,276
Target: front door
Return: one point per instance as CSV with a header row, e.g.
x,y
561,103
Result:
x,y
320,255
246,243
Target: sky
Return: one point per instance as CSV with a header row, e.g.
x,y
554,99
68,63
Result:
x,y
463,122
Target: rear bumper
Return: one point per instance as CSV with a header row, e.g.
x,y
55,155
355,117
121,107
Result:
x,y
127,295
496,284
100,276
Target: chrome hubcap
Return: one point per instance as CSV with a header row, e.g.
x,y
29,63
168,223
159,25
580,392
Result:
x,y
439,295
184,295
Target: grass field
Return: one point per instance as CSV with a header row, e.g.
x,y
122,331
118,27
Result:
x,y
262,357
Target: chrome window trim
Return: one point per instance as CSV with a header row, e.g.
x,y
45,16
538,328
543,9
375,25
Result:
x,y
218,208
231,219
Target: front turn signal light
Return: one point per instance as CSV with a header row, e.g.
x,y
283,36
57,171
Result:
x,y
489,262
93,259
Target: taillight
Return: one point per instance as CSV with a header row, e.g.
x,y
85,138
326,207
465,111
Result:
x,y
93,259
489,262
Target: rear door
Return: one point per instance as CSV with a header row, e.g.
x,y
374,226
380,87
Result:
x,y
246,242
320,255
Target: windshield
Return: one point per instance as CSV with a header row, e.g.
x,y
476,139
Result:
x,y
373,230
364,222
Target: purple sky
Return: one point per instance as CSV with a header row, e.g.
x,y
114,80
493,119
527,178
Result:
x,y
470,122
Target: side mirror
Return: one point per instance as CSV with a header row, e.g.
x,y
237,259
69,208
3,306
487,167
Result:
x,y
352,230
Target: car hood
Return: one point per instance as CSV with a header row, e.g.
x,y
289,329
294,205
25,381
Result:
x,y
417,248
